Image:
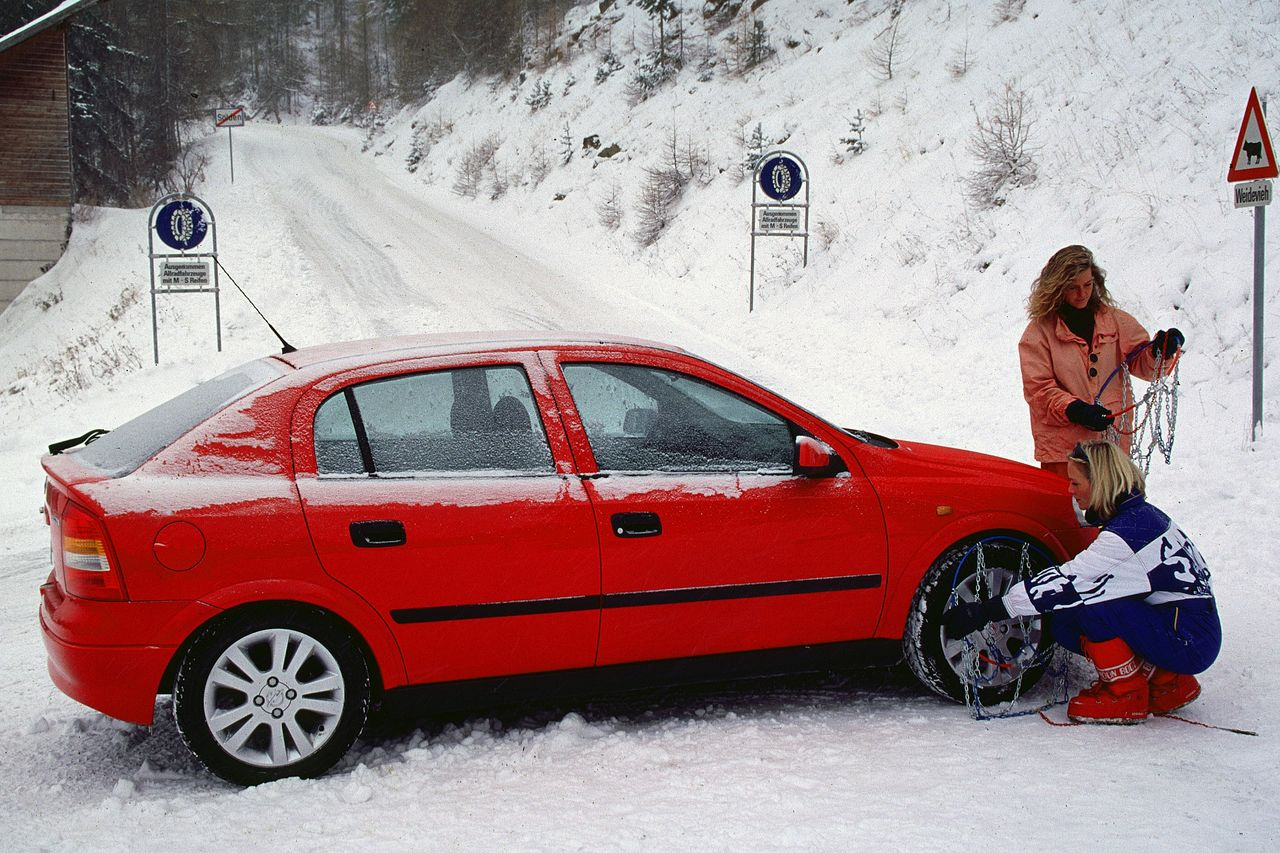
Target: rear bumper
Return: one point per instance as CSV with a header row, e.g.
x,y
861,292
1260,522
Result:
x,y
110,656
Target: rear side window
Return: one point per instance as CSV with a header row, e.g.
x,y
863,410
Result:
x,y
476,419
122,450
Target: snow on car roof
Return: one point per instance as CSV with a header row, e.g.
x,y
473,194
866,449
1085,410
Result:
x,y
457,342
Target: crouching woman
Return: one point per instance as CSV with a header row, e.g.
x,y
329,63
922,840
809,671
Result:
x,y
1137,602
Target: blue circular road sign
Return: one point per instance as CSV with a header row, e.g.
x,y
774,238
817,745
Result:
x,y
181,225
780,178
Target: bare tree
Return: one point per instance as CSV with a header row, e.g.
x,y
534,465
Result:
x,y
609,210
659,192
1001,144
1008,10
475,161
886,51
960,60
188,168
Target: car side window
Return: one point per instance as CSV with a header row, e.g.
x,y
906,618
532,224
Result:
x,y
648,419
475,419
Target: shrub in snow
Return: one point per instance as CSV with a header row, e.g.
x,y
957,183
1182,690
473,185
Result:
x,y
609,63
498,180
539,97
417,150
853,142
652,72
886,51
1008,10
661,189
1001,144
188,168
752,151
472,167
539,166
566,144
750,46
609,211
960,61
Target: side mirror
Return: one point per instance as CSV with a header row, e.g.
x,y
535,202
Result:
x,y
813,458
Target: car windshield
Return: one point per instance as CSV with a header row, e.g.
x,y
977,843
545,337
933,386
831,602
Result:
x,y
123,449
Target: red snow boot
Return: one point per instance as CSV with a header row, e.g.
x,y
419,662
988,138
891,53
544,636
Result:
x,y
1120,694
1171,691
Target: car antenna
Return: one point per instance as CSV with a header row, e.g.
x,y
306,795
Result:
x,y
288,347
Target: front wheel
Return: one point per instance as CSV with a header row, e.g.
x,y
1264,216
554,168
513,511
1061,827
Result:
x,y
267,695
998,662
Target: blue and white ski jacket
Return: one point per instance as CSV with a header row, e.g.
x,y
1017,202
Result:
x,y
1140,552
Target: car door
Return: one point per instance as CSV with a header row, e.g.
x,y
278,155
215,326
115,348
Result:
x,y
709,541
442,494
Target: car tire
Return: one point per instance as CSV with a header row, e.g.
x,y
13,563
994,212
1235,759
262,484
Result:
x,y
269,694
1008,657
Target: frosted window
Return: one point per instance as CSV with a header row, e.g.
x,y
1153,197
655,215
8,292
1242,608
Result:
x,y
473,419
337,446
647,419
122,450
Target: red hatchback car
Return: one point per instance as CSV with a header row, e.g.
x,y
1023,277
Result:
x,y
453,519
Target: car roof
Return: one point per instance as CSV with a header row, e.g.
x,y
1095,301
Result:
x,y
372,350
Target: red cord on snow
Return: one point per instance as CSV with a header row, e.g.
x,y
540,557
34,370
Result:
x,y
1045,717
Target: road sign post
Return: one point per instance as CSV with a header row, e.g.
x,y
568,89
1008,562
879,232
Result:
x,y
1254,160
229,117
781,176
182,222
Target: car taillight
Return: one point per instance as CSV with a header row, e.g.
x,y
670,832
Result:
x,y
89,573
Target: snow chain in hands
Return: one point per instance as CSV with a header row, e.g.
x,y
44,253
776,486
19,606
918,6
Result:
x,y
1155,416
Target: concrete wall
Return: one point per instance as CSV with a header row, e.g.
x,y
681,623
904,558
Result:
x,y
31,241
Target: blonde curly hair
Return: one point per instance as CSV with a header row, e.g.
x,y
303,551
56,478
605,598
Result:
x,y
1057,275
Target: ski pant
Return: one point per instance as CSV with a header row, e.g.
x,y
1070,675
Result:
x,y
1182,636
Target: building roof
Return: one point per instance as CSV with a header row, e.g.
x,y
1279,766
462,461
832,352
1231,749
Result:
x,y
52,18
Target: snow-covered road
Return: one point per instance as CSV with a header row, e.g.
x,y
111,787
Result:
x,y
373,258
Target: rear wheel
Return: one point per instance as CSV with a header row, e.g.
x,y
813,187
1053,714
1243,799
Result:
x,y
269,695
1000,661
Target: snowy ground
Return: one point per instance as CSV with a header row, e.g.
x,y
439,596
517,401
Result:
x,y
905,322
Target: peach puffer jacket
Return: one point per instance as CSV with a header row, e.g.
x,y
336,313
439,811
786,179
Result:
x,y
1058,367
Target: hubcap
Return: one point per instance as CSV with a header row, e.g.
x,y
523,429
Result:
x,y
273,697
1003,650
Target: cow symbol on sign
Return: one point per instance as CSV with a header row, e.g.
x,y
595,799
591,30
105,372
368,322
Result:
x,y
1252,151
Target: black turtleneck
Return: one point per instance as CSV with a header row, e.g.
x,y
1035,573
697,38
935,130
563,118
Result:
x,y
1079,321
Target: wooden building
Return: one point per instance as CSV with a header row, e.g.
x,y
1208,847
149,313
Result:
x,y
35,148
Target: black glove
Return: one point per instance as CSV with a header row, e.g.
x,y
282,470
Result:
x,y
1089,415
1168,343
969,616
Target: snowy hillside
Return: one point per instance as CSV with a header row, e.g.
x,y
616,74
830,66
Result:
x,y
905,321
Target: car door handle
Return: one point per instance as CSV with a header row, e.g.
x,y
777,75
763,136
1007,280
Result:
x,y
377,534
636,524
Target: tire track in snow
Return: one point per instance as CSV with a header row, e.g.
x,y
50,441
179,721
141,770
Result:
x,y
388,263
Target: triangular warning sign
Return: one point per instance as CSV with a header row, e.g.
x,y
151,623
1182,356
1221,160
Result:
x,y
1252,157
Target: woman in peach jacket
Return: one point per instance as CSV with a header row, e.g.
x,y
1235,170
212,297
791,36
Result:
x,y
1076,338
